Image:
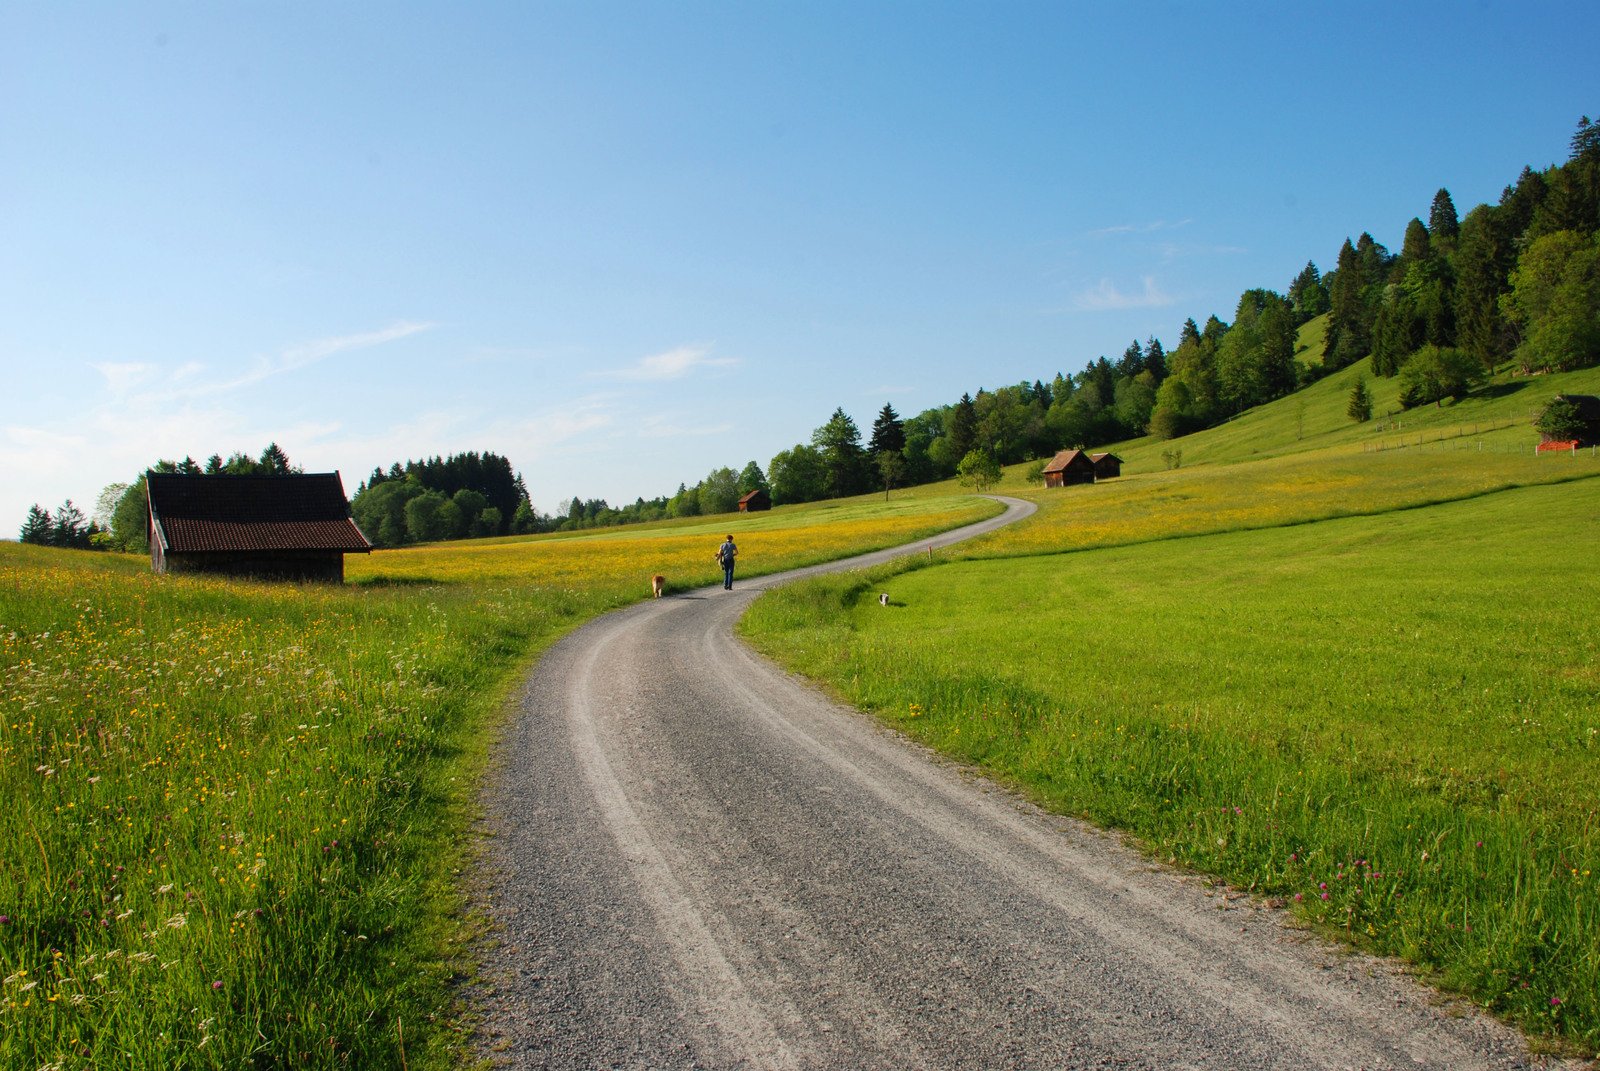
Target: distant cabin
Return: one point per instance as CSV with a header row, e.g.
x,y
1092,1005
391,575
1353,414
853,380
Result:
x,y
283,527
1106,466
1588,407
1069,467
755,501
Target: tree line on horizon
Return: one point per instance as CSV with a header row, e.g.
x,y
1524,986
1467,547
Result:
x,y
1518,282
1514,282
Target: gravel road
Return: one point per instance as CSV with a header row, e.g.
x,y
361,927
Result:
x,y
698,861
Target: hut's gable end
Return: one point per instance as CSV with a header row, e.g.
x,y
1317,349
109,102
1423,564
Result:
x,y
296,527
755,501
1106,466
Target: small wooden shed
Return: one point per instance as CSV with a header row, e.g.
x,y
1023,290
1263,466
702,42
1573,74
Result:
x,y
284,527
1106,466
1069,467
755,501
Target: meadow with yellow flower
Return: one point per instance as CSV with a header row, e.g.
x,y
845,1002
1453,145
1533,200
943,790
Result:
x,y
237,813
1364,686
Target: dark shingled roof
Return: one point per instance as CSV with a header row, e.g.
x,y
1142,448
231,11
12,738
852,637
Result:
x,y
196,514
1064,458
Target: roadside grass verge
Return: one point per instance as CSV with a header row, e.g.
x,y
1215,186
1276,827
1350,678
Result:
x,y
1389,724
237,813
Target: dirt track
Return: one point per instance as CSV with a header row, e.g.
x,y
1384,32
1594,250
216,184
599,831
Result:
x,y
699,862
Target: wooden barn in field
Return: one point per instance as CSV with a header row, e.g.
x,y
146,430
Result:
x,y
755,501
281,527
1106,466
1069,467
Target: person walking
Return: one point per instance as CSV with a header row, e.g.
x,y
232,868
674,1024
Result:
x,y
725,555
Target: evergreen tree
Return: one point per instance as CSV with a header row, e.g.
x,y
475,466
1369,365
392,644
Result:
x,y
1481,265
1190,333
274,462
1416,247
1360,407
844,463
38,529
1443,223
1155,360
1396,333
1353,300
961,429
71,528
888,432
1307,294
1132,362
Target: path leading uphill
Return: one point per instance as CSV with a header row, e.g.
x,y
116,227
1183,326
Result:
x,y
698,861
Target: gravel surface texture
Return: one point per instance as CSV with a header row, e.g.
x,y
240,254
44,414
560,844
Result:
x,y
695,860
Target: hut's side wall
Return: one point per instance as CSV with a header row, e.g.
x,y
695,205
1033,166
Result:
x,y
321,565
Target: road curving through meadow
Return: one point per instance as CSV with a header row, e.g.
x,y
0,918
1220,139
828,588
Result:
x,y
696,860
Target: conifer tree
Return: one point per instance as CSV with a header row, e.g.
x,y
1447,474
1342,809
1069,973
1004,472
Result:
x,y
1416,246
71,528
888,432
1360,407
38,529
962,427
1155,359
1190,332
1443,222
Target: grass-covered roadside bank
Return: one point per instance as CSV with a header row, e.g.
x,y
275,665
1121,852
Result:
x,y
1391,722
236,813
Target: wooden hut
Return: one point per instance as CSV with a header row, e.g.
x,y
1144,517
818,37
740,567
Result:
x,y
755,501
1106,466
284,527
1069,467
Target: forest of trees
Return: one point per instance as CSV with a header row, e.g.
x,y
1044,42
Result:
x,y
462,496
1513,283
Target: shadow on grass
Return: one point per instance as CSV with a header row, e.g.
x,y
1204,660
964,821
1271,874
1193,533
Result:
x,y
1500,390
396,582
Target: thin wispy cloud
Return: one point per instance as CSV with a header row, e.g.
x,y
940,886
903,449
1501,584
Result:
x,y
189,382
1106,297
122,376
1139,228
1173,251
660,428
673,364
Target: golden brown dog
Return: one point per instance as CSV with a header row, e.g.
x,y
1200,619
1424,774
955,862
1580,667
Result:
x,y
658,584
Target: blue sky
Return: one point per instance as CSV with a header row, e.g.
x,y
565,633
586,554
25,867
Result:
x,y
623,244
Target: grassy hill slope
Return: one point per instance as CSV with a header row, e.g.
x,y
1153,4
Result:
x,y
1356,678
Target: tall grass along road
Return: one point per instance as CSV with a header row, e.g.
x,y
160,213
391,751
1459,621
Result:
x,y
699,862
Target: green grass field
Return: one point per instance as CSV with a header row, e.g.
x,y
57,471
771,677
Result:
x,y
237,814
1364,684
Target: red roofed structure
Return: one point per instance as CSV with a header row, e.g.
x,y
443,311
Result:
x,y
287,527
